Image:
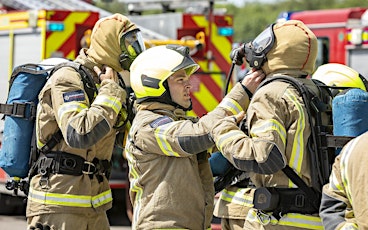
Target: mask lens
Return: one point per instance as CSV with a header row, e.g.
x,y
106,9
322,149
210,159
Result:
x,y
264,41
132,43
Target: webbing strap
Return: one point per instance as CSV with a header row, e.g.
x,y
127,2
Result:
x,y
71,164
312,196
55,139
318,155
26,110
337,141
87,79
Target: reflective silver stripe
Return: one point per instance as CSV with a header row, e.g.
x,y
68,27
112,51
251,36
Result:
x,y
349,226
228,137
231,105
69,200
111,102
134,186
269,125
239,197
334,184
296,158
289,219
39,110
161,137
102,198
345,170
70,107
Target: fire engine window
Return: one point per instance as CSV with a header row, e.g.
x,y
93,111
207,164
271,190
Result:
x,y
323,48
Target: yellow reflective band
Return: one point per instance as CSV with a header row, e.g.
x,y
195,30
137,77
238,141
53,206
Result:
x,y
70,107
134,186
269,125
39,144
349,226
69,200
161,134
231,105
228,137
111,102
344,169
300,220
101,199
239,197
289,219
334,183
297,153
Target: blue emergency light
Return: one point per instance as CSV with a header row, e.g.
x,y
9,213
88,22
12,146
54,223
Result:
x,y
55,26
225,31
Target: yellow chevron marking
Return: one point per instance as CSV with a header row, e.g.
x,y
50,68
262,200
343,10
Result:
x,y
229,20
71,55
57,39
221,43
204,96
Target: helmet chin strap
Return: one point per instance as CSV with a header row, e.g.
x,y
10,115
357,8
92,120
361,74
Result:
x,y
181,107
168,99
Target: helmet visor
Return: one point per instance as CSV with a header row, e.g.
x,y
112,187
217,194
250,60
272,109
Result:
x,y
131,44
188,64
264,41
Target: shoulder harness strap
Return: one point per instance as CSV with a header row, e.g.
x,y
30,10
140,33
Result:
x,y
318,155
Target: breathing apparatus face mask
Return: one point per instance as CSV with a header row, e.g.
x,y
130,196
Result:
x,y
131,44
255,51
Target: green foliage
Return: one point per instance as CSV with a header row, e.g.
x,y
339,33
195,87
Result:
x,y
253,17
112,6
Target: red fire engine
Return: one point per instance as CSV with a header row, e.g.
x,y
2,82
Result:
x,y
210,37
342,35
208,34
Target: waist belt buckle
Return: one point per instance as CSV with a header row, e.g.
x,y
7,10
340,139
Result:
x,y
299,201
263,218
89,168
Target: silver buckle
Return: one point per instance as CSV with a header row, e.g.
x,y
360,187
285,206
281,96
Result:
x,y
91,168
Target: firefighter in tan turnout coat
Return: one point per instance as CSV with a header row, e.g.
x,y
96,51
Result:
x,y
70,189
278,131
171,180
344,198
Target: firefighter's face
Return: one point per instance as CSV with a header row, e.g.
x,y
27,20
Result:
x,y
180,86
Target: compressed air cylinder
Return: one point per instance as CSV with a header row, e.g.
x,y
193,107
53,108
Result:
x,y
350,113
16,143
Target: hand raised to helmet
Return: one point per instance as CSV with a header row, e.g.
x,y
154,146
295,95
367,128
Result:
x,y
106,73
252,80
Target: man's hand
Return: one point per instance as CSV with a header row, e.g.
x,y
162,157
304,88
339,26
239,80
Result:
x,y
239,117
106,73
253,79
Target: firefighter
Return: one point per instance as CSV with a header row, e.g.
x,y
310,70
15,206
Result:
x,y
278,131
70,189
343,203
339,75
349,104
344,198
171,180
